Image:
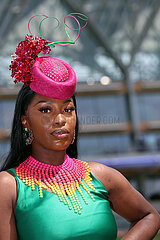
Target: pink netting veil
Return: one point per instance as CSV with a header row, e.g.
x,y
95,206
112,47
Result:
x,y
54,69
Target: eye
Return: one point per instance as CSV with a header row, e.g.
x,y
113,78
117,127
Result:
x,y
69,109
45,109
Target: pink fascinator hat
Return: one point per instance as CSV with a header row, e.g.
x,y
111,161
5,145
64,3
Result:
x,y
53,78
47,76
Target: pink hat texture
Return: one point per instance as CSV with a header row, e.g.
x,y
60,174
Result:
x,y
53,78
47,76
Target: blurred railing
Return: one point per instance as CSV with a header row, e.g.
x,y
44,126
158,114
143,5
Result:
x,y
115,88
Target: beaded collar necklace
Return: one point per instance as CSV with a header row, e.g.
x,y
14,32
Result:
x,y
60,179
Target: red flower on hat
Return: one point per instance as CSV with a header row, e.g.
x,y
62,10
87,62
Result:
x,y
24,57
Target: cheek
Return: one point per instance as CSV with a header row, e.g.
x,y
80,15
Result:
x,y
46,121
40,124
72,122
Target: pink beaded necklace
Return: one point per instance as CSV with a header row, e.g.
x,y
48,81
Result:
x,y
60,179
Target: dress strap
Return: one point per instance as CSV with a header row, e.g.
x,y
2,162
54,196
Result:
x,y
13,170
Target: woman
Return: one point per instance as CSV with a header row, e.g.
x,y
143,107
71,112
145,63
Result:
x,y
46,192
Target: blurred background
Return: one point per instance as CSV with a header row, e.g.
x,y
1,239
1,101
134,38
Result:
x,y
117,62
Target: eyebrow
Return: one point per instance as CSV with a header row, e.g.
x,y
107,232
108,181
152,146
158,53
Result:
x,y
42,101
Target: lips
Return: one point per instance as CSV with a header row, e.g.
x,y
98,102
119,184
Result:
x,y
60,133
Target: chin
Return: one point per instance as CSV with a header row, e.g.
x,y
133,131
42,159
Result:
x,y
61,148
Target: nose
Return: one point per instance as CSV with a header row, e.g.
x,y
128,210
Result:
x,y
60,120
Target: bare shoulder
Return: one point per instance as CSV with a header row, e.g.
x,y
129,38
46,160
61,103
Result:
x,y
7,206
7,178
106,175
8,187
99,168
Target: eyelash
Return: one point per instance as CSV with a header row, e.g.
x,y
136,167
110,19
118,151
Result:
x,y
45,109
70,109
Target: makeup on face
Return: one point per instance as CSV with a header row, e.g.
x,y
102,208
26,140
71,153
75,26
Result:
x,y
52,121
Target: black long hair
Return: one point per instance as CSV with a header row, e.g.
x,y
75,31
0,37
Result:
x,y
19,151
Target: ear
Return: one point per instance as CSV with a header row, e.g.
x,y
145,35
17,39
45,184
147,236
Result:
x,y
24,121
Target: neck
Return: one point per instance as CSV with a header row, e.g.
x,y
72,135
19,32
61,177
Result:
x,y
50,157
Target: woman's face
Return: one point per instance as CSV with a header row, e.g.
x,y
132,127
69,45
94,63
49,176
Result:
x,y
52,122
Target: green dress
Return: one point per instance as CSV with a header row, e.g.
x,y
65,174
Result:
x,y
49,219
